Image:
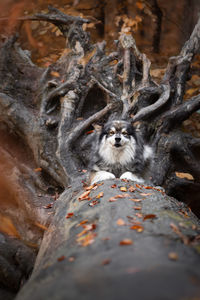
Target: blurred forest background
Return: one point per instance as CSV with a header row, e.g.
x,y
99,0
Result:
x,y
159,27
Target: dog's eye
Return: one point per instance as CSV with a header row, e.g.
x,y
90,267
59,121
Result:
x,y
111,132
125,133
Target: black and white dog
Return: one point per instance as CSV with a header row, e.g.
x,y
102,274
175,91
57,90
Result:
x,y
120,153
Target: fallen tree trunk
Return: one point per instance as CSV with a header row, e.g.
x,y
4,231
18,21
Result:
x,y
53,112
139,243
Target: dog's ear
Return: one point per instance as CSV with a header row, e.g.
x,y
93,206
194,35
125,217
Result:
x,y
97,127
136,125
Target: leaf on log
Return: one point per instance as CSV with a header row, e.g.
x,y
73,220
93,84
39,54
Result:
x,y
126,242
149,216
184,175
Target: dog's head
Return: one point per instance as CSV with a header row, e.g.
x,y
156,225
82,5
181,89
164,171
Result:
x,y
117,134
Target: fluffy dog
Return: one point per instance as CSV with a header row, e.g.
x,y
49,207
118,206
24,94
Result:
x,y
120,153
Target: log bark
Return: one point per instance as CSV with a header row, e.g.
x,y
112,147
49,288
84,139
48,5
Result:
x,y
117,248
55,116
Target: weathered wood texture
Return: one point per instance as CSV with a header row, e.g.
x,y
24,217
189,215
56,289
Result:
x,y
81,256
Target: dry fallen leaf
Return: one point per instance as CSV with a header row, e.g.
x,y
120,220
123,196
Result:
x,y
69,215
61,258
90,131
43,227
90,187
71,258
93,203
126,242
123,189
192,91
100,195
138,228
145,194
120,222
38,170
50,205
140,5
149,216
82,223
121,196
106,261
183,237
184,175
131,189
137,207
55,74
138,186
112,199
139,215
184,213
135,200
173,256
87,239
90,227
113,186
148,187
84,196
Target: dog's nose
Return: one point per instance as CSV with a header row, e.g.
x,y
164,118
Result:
x,y
117,139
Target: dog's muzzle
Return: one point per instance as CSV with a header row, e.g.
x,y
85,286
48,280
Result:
x,y
117,142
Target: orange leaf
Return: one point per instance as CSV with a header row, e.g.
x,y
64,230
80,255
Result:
x,y
86,240
84,231
90,227
120,196
184,175
84,196
69,215
139,228
148,187
131,189
82,223
139,215
100,195
43,227
150,216
71,258
173,255
113,186
38,170
126,242
90,131
50,205
61,258
137,207
140,5
120,222
106,261
135,200
123,189
112,199
145,194
138,186
93,203
91,187
55,74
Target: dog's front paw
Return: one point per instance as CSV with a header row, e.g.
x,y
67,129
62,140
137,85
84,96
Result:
x,y
131,176
102,175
